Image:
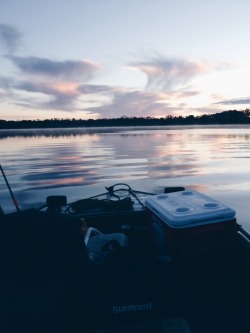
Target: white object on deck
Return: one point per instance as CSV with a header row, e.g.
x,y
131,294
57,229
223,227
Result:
x,y
95,240
187,208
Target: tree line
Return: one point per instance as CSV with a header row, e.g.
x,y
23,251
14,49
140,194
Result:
x,y
222,118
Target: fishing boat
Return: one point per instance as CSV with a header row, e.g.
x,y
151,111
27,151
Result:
x,y
125,261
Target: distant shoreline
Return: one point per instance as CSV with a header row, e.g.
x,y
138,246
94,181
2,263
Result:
x,y
231,117
68,131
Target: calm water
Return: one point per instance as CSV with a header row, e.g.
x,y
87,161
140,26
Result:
x,y
81,162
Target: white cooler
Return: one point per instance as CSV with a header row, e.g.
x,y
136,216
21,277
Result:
x,y
190,223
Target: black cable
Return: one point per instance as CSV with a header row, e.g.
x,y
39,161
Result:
x,y
107,203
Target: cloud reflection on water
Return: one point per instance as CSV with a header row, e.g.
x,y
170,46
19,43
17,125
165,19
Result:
x,y
45,159
80,162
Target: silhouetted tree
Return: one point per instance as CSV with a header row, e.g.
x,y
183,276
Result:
x,y
225,117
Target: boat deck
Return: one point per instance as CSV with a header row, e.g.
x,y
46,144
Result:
x,y
49,284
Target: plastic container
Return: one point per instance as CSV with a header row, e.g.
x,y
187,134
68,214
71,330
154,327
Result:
x,y
191,223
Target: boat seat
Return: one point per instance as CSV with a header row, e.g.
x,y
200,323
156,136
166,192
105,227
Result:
x,y
96,241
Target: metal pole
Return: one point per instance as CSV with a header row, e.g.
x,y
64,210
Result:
x,y
9,188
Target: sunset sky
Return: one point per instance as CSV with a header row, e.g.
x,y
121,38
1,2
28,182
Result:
x,y
112,58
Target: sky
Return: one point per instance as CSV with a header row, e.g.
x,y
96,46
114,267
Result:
x,y
113,58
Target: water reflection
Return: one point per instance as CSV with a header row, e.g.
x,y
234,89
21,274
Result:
x,y
204,158
78,157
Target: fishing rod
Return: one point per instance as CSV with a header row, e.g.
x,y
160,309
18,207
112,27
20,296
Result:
x,y
9,188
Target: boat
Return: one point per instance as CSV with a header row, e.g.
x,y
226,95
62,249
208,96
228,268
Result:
x,y
100,265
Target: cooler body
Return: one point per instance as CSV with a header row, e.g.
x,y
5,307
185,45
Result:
x,y
188,223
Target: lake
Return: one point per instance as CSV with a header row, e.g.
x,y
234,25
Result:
x,y
81,162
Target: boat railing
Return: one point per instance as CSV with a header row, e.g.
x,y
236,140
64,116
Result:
x,y
245,235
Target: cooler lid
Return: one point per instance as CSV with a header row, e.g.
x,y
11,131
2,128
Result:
x,y
188,207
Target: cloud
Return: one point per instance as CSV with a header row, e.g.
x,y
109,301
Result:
x,y
67,70
94,89
60,82
60,95
236,101
10,38
170,74
48,84
133,103
6,82
113,101
184,94
47,87
139,103
56,96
